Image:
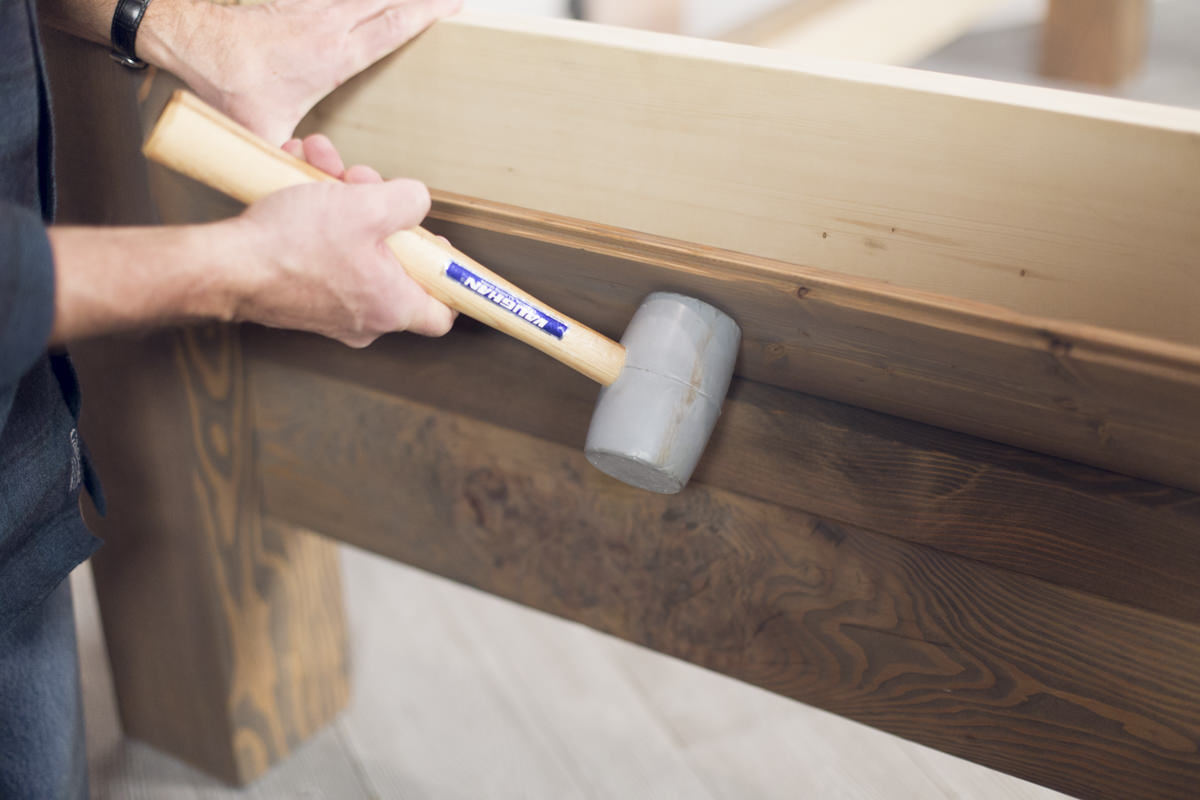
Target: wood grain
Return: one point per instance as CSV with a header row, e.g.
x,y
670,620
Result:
x,y
1112,400
225,633
1095,41
1050,203
120,768
1066,689
1121,538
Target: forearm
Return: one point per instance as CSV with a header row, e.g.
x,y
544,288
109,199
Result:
x,y
115,279
310,257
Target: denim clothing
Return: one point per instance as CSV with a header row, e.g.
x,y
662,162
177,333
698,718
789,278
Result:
x,y
42,460
42,754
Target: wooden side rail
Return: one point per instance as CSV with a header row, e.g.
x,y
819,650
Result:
x,y
877,619
1049,203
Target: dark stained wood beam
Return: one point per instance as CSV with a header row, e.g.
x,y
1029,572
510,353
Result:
x,y
1053,685
1121,538
225,631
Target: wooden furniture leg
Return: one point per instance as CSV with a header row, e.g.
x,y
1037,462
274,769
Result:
x,y
1095,41
225,630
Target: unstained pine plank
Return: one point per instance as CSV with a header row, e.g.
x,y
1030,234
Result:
x,y
1049,203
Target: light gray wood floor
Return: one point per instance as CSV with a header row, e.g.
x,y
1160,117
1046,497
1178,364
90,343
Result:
x,y
462,695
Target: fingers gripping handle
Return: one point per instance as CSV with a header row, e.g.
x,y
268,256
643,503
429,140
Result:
x,y
195,139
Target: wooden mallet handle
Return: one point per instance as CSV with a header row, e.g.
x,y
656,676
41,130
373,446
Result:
x,y
197,140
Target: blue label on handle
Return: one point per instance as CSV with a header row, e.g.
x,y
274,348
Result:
x,y
510,303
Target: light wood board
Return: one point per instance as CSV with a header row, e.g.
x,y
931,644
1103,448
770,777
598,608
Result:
x,y
1049,203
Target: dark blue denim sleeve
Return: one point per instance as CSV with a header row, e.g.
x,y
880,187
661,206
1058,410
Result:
x,y
26,291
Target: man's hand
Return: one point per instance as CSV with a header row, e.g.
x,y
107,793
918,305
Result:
x,y
268,65
264,65
311,257
323,264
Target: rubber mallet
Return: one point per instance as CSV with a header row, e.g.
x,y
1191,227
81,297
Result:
x,y
663,384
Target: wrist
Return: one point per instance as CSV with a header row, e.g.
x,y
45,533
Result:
x,y
184,38
232,273
245,268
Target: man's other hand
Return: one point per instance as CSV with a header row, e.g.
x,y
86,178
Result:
x,y
268,65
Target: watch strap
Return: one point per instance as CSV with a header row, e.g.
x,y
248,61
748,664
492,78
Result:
x,y
126,18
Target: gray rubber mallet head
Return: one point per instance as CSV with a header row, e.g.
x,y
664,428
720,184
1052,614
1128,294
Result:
x,y
651,425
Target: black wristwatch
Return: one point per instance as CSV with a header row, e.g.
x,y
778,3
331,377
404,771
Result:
x,y
126,19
